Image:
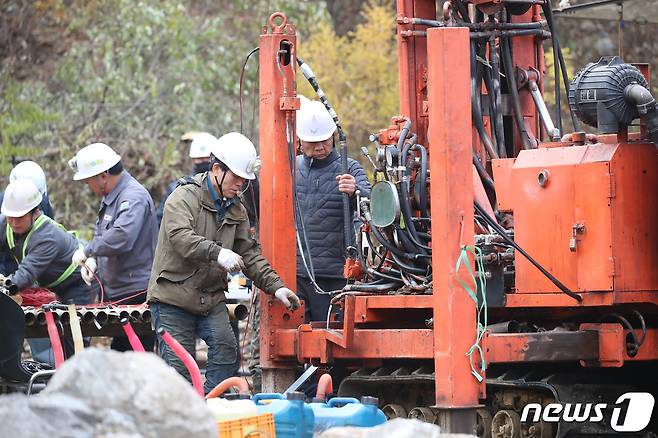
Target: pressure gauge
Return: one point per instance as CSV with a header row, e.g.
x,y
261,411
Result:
x,y
392,156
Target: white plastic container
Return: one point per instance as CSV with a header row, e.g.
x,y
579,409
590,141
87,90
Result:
x,y
226,410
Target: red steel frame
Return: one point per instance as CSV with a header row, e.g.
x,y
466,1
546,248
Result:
x,y
277,231
434,94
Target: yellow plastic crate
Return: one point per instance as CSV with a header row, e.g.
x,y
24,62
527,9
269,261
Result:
x,y
259,426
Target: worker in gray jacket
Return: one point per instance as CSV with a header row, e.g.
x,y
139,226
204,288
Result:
x,y
126,230
320,184
42,250
41,247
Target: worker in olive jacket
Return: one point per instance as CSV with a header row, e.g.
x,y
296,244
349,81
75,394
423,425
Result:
x,y
204,235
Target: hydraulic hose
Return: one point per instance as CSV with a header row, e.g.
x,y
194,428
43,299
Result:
x,y
407,267
388,245
342,138
497,98
514,93
422,192
548,13
409,244
403,134
500,230
476,103
488,83
185,357
403,192
484,176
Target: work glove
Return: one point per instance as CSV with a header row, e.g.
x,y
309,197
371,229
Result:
x,y
287,298
88,269
230,261
79,257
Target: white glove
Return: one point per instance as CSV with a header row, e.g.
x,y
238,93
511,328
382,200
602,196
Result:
x,y
287,298
230,261
87,270
78,257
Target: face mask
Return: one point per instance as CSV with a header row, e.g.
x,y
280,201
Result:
x,y
201,167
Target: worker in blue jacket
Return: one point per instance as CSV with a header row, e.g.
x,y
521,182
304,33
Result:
x,y
320,184
126,230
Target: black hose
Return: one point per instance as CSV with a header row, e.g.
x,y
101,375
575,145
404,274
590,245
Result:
x,y
503,233
509,33
408,267
548,13
484,176
488,83
514,93
644,327
498,105
403,134
342,138
634,346
477,26
403,193
388,245
556,65
409,244
404,240
422,195
244,65
476,103
381,275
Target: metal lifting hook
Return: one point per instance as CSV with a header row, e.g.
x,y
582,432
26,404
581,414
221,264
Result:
x,y
280,27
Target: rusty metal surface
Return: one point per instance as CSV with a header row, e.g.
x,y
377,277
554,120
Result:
x,y
549,346
366,344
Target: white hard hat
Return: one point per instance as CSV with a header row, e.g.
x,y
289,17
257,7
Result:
x,y
200,146
314,122
93,160
21,196
31,171
238,153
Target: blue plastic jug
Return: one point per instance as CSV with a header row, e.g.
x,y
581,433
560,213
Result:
x,y
347,411
292,417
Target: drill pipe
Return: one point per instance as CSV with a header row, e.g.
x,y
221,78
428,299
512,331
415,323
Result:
x,y
237,311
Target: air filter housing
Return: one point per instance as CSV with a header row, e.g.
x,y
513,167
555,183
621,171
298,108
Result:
x,y
597,94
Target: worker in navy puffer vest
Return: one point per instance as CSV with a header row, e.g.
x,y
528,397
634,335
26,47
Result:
x,y
320,185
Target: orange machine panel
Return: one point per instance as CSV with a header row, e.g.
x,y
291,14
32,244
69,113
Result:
x,y
588,214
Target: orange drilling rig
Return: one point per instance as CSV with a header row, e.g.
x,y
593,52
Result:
x,y
505,271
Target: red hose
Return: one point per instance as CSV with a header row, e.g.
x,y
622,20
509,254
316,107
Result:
x,y
132,336
55,342
184,356
240,382
325,386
